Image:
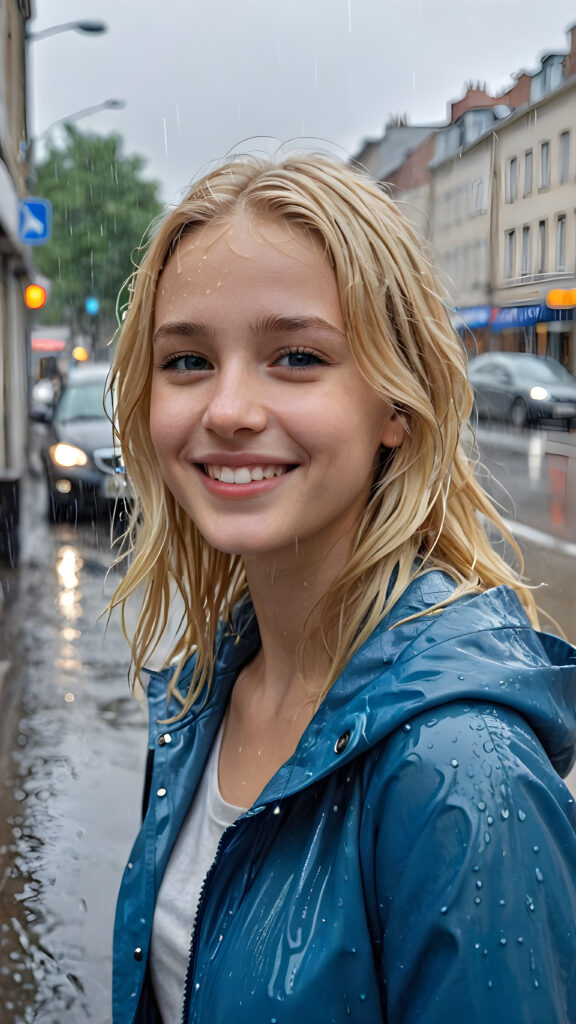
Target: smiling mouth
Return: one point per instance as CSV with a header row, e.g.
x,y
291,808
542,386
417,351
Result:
x,y
244,474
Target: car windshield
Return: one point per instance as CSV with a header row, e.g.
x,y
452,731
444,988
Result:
x,y
82,402
545,371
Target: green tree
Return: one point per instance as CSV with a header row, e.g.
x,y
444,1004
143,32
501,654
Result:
x,y
101,210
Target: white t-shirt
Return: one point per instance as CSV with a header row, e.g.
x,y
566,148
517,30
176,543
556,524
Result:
x,y
177,901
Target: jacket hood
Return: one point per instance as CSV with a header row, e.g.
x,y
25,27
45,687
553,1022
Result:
x,y
480,648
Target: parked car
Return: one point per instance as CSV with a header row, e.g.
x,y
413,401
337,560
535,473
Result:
x,y
84,470
522,388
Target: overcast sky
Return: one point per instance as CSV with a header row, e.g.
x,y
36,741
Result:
x,y
200,79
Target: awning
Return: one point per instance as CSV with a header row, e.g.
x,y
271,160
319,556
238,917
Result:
x,y
472,316
525,316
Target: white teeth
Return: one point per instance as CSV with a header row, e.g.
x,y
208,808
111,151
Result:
x,y
243,474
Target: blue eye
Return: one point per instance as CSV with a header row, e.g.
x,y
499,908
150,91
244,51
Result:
x,y
186,361
299,359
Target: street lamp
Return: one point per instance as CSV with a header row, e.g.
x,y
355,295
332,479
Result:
x,y
78,114
89,27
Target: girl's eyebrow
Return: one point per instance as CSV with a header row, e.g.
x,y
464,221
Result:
x,y
182,328
274,324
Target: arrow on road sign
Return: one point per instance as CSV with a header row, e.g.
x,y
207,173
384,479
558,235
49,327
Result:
x,y
35,220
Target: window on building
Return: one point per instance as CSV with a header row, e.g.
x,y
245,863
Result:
x,y
545,165
541,247
561,242
525,250
528,171
509,253
564,157
511,179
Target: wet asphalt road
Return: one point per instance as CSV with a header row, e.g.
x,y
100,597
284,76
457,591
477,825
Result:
x,y
72,739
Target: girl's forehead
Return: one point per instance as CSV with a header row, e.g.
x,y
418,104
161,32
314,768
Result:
x,y
245,233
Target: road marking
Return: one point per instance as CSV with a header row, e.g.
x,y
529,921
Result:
x,y
545,540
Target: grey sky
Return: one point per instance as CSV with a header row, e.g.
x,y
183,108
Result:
x,y
199,78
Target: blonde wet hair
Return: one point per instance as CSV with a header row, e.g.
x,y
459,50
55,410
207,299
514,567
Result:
x,y
426,509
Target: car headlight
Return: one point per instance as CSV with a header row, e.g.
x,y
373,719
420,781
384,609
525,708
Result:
x,y
67,455
539,393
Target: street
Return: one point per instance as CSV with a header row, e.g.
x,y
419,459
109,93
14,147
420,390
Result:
x,y
73,740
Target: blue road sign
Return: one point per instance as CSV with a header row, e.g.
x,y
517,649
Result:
x,y
35,220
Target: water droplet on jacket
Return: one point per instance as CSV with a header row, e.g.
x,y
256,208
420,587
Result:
x,y
340,902
477,899
521,816
503,941
505,814
488,746
476,867
490,984
539,875
536,983
487,837
443,910
481,806
536,849
502,903
460,677
520,940
454,762
476,945
407,727
335,808
276,810
490,820
363,997
470,771
479,884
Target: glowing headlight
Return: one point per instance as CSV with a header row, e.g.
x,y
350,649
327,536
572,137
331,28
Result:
x,y
539,393
68,455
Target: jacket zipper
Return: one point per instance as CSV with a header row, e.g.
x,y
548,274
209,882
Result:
x,y
193,954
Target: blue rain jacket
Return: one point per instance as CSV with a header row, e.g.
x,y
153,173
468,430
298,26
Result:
x,y
413,861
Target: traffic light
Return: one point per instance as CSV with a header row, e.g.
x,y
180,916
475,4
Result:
x,y
35,296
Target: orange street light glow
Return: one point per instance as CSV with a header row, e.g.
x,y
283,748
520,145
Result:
x,y
35,296
79,354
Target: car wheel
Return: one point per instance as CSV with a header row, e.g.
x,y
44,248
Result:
x,y
518,413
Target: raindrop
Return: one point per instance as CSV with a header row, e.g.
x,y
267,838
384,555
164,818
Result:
x,y
536,849
539,875
276,810
503,941
363,997
454,762
505,814
490,820
479,884
477,900
460,677
520,940
407,727
521,816
490,984
481,806
502,903
443,910
487,837
476,867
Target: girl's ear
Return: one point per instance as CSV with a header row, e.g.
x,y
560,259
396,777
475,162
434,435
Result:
x,y
394,431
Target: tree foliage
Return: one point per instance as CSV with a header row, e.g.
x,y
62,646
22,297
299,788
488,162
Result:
x,y
101,210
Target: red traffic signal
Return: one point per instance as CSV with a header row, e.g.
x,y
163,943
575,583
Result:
x,y
35,296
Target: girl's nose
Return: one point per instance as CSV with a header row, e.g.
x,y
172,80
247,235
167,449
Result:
x,y
235,403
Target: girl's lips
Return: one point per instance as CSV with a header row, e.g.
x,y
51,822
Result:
x,y
236,482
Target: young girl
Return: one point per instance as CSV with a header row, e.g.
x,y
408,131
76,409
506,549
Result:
x,y
353,807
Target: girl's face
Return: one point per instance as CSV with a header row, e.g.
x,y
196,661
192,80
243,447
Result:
x,y
265,430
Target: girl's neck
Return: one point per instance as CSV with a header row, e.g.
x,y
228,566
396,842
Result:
x,y
286,596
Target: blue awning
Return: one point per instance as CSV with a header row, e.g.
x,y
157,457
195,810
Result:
x,y
525,316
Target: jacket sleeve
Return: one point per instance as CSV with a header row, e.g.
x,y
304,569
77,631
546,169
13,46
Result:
x,y
474,874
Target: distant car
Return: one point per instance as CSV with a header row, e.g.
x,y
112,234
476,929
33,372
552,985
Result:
x,y
84,470
522,388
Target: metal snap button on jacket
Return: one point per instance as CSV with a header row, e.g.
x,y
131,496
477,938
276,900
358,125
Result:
x,y
342,742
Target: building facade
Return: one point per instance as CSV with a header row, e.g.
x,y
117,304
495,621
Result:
x,y
15,269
